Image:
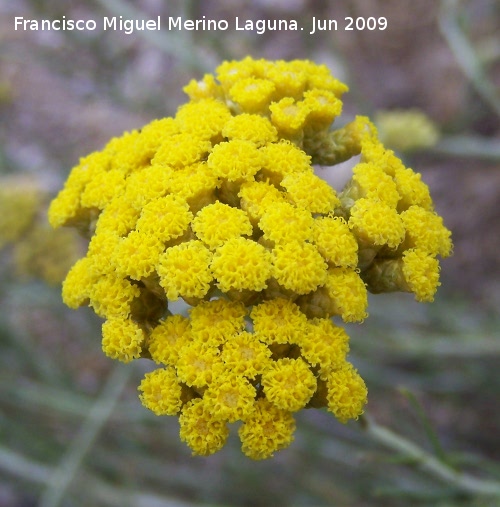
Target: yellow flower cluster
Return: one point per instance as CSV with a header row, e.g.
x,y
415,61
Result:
x,y
220,206
37,251
19,202
406,129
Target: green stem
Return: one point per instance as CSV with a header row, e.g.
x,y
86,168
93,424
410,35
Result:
x,y
427,462
18,465
468,146
464,53
100,412
97,491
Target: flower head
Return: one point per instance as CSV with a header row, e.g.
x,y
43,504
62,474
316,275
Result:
x,y
284,222
425,231
347,293
235,160
184,270
250,127
266,429
252,94
221,206
112,296
289,116
167,338
230,398
258,196
376,223
289,383
204,119
218,222
122,339
166,218
180,150
137,255
299,267
246,355
202,432
347,393
78,283
421,272
215,321
240,264
161,392
324,344
335,242
199,364
278,321
406,130
306,190
282,158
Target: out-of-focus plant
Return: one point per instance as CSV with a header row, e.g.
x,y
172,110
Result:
x,y
35,249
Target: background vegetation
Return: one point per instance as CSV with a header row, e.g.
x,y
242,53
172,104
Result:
x,y
72,431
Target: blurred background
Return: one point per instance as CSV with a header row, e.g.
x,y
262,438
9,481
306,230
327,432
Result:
x,y
72,431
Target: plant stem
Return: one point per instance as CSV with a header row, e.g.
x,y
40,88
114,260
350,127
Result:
x,y
465,54
99,491
468,146
427,462
100,412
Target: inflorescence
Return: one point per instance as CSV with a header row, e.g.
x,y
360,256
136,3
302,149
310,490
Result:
x,y
220,207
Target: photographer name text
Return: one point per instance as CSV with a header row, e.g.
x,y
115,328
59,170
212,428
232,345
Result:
x,y
259,26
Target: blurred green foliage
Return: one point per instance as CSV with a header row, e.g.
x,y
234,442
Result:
x,y
72,430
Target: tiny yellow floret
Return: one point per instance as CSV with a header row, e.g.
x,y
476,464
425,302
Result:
x,y
200,430
421,272
161,392
284,222
166,218
167,338
266,430
230,398
425,231
244,354
376,223
299,267
235,160
347,293
184,270
310,192
214,322
289,383
250,127
218,222
122,339
347,393
253,95
240,264
335,242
